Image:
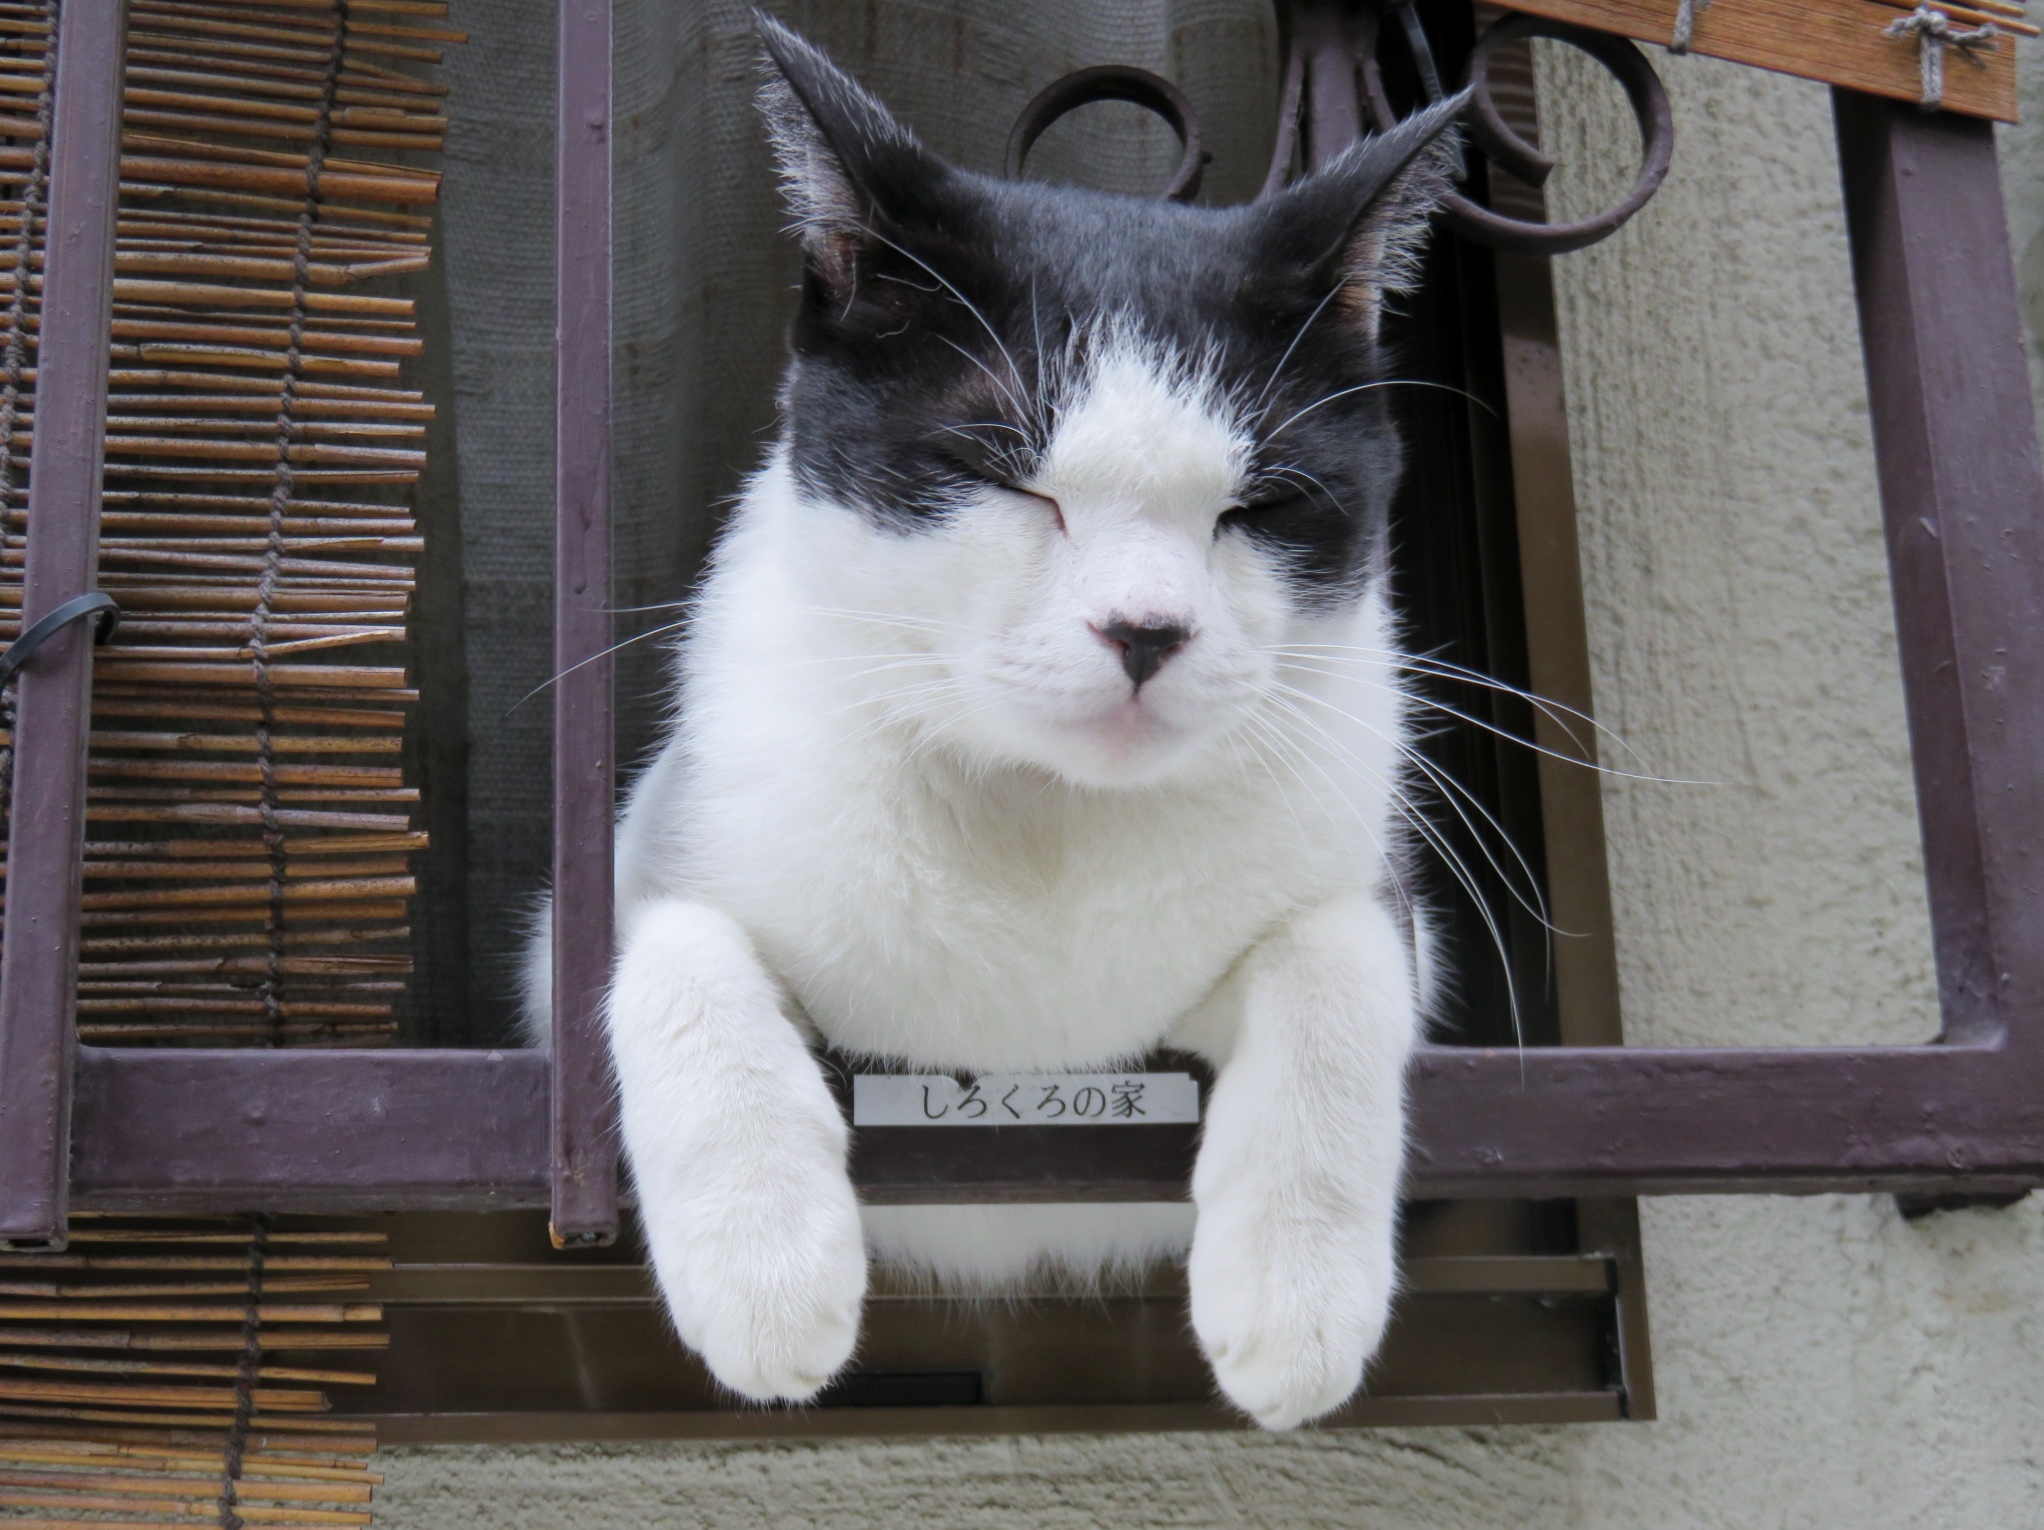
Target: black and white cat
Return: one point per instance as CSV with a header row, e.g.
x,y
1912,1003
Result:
x,y
1042,707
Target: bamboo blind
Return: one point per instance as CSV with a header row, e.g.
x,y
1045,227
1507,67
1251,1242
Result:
x,y
1842,42
249,835
249,831
162,1372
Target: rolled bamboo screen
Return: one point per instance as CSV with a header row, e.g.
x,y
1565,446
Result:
x,y
249,836
161,1372
250,840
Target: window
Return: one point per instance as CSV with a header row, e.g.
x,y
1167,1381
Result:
x,y
469,1130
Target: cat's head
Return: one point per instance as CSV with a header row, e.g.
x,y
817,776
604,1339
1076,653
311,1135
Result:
x,y
1094,455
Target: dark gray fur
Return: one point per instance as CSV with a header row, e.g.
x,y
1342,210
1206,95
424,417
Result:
x,y
898,396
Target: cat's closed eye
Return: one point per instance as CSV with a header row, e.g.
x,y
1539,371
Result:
x,y
1266,513
989,477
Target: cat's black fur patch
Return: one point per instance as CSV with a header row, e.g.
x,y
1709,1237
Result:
x,y
935,300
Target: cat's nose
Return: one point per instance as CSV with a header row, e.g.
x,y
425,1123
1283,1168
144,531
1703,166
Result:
x,y
1144,646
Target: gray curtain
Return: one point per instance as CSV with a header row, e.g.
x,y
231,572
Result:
x,y
704,279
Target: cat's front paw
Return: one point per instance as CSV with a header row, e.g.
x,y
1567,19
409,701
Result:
x,y
1288,1315
769,1296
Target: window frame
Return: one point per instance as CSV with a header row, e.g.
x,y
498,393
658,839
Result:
x,y
1963,503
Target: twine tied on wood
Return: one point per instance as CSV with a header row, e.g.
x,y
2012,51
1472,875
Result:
x,y
1934,32
1685,24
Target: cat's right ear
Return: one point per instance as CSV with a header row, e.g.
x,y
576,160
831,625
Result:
x,y
849,171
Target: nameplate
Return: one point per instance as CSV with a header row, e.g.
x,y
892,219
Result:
x,y
1025,1099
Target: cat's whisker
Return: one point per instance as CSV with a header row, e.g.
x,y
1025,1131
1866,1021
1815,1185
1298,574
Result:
x,y
1389,382
1272,742
1451,790
1309,481
933,736
1534,904
1383,852
1372,660
1265,729
972,425
891,708
660,631
1036,330
659,605
1559,713
1428,835
993,377
965,302
888,660
1446,669
1430,704
897,619
1263,398
886,702
1454,793
1457,867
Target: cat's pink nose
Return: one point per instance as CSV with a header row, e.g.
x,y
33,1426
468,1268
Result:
x,y
1144,646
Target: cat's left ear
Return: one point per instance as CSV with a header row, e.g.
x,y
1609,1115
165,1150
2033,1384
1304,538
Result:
x,y
849,169
1361,221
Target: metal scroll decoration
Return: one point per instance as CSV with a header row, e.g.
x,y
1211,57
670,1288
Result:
x,y
1115,82
1332,43
1491,131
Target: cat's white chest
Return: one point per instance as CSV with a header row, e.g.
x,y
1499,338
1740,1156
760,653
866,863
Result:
x,y
1019,925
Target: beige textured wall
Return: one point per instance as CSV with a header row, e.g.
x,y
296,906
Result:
x,y
1821,1363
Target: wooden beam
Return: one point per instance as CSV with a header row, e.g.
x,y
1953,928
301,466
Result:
x,y
1841,42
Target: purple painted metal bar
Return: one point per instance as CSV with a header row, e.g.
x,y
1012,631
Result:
x,y
282,1131
39,957
1963,498
256,1129
583,1133
1324,37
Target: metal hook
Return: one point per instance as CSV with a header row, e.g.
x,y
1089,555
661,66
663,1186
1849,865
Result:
x,y
1114,82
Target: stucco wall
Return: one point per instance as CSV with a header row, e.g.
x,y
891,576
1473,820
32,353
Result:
x,y
1820,1362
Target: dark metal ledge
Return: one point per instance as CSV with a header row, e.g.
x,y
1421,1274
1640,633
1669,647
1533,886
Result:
x,y
1155,1418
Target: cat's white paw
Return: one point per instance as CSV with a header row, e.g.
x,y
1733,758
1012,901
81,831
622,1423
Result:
x,y
769,1294
1287,1313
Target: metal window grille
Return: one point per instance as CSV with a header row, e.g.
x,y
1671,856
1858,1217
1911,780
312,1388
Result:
x,y
1963,502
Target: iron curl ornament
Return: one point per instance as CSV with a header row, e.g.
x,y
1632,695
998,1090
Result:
x,y
1333,87
1115,82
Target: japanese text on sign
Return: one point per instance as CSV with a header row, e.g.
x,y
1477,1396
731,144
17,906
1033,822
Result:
x,y
1025,1099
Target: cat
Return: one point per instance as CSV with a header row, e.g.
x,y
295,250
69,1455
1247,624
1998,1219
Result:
x,y
1041,706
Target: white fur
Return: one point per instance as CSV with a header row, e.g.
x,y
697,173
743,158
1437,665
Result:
x,y
995,1249
914,804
